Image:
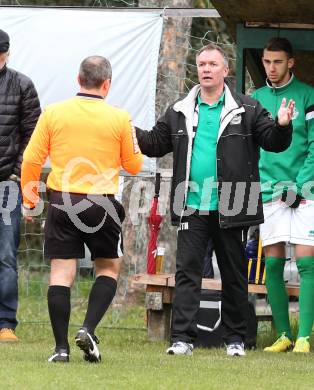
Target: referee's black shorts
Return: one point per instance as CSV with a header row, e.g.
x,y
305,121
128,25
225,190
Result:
x,y
75,219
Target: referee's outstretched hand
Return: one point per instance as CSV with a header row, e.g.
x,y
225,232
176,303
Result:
x,y
27,214
285,113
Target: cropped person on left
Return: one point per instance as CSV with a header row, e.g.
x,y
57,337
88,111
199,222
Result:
x,y
19,112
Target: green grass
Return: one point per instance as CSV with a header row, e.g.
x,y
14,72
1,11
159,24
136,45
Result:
x,y
130,361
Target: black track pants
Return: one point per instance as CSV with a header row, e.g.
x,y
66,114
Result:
x,y
193,237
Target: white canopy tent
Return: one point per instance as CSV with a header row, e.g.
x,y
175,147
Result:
x,y
48,45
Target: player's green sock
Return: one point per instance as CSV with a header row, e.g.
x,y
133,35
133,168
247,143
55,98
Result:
x,y
277,294
306,299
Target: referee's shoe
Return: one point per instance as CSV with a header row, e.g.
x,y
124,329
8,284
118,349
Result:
x,y
61,355
88,344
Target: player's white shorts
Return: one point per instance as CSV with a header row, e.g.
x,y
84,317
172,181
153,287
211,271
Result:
x,y
282,223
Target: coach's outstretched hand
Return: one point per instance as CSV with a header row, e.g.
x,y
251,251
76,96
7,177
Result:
x,y
285,113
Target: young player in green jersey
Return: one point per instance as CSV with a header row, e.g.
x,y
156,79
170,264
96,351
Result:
x,y
288,204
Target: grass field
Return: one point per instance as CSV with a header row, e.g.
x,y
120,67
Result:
x,y
130,361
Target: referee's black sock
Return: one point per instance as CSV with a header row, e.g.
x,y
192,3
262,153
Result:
x,y
100,297
59,307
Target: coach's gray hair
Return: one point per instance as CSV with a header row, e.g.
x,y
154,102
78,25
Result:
x,y
212,46
94,70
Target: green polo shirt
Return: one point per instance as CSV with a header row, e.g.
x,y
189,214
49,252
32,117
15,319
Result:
x,y
204,195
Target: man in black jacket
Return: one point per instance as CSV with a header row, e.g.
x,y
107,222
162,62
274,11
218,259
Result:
x,y
215,137
19,111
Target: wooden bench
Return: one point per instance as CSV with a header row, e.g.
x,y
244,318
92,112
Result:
x,y
159,294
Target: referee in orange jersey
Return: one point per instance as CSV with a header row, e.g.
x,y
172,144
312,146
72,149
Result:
x,y
87,141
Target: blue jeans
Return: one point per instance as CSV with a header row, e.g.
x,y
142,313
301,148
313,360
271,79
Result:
x,y
10,218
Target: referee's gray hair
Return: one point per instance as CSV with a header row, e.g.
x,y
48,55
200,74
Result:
x,y
94,70
213,46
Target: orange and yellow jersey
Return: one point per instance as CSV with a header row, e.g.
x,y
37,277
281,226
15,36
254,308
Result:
x,y
87,141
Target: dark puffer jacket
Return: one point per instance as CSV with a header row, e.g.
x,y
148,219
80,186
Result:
x,y
19,112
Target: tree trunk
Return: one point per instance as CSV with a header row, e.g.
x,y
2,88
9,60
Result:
x,y
170,87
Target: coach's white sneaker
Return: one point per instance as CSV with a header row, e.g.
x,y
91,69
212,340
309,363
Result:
x,y
180,348
235,349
